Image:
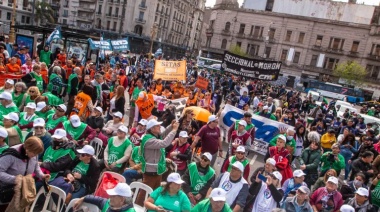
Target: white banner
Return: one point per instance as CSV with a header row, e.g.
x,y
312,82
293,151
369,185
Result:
x,y
266,129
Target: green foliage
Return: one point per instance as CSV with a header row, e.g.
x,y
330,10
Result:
x,y
43,11
352,72
237,50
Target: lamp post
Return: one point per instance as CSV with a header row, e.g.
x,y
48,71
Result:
x,y
34,4
152,35
12,32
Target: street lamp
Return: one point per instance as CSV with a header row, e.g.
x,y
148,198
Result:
x,y
153,32
12,32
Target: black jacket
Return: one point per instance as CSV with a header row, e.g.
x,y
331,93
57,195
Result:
x,y
364,148
61,163
92,176
119,105
95,122
359,165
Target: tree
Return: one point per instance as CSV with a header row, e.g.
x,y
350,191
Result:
x,y
42,11
352,72
235,49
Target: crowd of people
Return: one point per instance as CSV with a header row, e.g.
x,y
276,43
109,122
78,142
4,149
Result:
x,y
59,110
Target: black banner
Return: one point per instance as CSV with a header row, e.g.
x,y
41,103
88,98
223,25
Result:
x,y
250,68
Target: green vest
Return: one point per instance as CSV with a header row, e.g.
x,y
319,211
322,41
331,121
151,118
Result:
x,y
39,81
24,121
45,57
19,134
161,163
135,154
27,100
3,148
18,99
196,181
248,127
52,155
51,86
232,159
71,77
107,205
7,110
44,115
75,133
52,123
81,168
205,206
53,99
115,153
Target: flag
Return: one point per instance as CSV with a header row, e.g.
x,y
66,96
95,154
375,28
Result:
x,y
55,35
158,54
101,50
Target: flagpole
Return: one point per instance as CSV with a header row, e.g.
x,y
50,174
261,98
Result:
x,y
153,34
12,32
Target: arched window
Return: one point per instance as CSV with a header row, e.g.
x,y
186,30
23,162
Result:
x,y
227,27
138,29
224,44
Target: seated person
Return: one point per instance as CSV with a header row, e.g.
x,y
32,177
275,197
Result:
x,y
56,120
14,133
133,172
78,132
137,132
27,117
111,127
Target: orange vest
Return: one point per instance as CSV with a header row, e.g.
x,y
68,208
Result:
x,y
122,80
44,74
62,58
80,106
192,102
145,107
178,89
69,70
13,68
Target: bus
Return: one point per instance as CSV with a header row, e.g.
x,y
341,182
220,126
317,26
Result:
x,y
335,91
204,62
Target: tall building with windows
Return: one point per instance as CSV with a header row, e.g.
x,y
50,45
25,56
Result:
x,y
310,43
23,14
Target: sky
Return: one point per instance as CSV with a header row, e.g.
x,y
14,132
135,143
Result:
x,y
210,3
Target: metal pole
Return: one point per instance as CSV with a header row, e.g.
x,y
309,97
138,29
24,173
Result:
x,y
12,33
34,3
153,33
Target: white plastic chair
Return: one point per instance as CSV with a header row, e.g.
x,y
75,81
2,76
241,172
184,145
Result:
x,y
49,199
148,190
98,145
91,207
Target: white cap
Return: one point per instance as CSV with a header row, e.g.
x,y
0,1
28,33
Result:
x,y
277,175
282,137
151,123
212,118
207,155
271,161
240,149
31,105
121,189
347,208
298,173
239,165
87,149
12,116
99,109
218,194
59,133
175,178
123,128
10,81
3,132
304,189
242,122
63,107
39,122
118,114
183,134
265,107
362,192
75,120
333,180
142,94
40,106
5,95
143,122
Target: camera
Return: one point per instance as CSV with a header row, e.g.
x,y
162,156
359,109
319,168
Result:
x,y
331,158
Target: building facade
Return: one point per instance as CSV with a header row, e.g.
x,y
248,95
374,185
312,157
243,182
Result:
x,y
309,47
23,14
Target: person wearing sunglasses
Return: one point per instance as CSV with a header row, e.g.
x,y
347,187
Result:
x,y
54,121
32,94
207,103
40,132
239,155
198,178
189,124
27,117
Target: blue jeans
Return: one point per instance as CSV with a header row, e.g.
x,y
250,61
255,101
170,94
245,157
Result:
x,y
130,175
80,193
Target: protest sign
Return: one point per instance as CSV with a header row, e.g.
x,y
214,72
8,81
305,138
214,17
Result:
x,y
170,70
201,83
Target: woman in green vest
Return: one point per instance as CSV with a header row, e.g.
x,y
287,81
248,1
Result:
x,y
198,178
14,133
7,106
55,82
216,202
32,94
120,200
19,95
27,117
117,151
43,111
34,78
54,121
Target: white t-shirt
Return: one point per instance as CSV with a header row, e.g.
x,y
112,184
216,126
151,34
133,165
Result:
x,y
264,200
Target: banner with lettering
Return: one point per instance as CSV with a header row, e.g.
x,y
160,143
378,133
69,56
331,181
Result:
x,y
120,45
104,44
266,129
170,70
250,68
201,83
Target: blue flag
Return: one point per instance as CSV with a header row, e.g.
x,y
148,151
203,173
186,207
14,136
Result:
x,y
101,49
55,35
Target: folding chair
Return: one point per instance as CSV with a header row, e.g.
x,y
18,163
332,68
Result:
x,y
148,190
98,145
90,207
49,200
